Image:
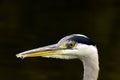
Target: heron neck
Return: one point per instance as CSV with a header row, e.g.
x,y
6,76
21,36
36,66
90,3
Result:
x,y
91,68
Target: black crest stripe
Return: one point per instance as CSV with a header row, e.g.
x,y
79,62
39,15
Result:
x,y
82,39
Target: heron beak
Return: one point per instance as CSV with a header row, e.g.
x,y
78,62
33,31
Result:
x,y
43,52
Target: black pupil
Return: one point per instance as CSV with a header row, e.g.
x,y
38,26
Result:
x,y
70,45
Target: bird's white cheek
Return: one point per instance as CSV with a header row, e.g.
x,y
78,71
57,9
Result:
x,y
69,51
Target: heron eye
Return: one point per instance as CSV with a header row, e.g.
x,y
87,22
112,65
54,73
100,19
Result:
x,y
70,45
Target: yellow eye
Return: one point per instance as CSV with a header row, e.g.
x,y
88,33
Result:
x,y
67,45
70,44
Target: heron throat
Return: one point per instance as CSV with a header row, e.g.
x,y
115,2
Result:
x,y
91,68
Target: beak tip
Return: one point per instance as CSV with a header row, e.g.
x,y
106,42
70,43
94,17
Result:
x,y
20,56
17,55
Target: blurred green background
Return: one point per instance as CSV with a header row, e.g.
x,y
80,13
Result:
x,y
28,24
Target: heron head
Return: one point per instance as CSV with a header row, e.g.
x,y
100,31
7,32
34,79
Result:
x,y
69,47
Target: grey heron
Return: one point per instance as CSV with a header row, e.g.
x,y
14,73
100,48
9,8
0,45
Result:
x,y
70,47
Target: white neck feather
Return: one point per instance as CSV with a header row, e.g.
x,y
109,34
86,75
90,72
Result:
x,y
91,67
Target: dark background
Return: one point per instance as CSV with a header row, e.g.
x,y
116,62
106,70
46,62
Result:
x,y
27,24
